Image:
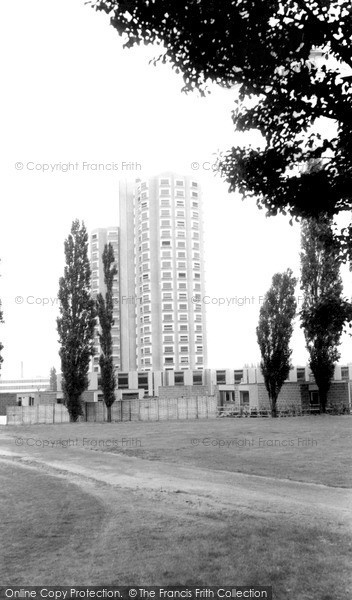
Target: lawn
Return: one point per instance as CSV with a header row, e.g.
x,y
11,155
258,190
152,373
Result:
x,y
314,449
62,529
56,533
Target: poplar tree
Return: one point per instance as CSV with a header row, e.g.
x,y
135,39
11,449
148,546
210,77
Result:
x,y
324,310
274,333
77,321
106,322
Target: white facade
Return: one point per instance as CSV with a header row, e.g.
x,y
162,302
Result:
x,y
163,325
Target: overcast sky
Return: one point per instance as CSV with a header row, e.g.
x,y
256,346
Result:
x,y
72,94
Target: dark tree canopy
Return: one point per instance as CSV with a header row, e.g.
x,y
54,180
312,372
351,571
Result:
x,y
77,321
105,314
267,48
274,333
324,311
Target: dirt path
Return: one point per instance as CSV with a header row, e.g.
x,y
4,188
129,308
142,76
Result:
x,y
221,490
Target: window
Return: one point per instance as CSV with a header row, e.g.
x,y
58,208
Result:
x,y
197,378
180,223
182,275
183,348
143,382
301,374
194,184
179,182
167,275
167,296
220,377
165,192
164,202
166,254
184,360
345,373
244,398
184,338
166,243
168,350
179,378
166,265
169,339
168,327
183,327
122,381
199,348
184,317
167,286
167,307
164,181
165,223
169,360
182,307
181,254
168,318
165,213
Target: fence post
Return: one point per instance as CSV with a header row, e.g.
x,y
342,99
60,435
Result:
x,y
196,407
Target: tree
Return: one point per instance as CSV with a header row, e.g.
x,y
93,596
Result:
x,y
77,321
53,380
324,310
266,48
106,321
274,332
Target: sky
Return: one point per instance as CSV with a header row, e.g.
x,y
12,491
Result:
x,y
72,94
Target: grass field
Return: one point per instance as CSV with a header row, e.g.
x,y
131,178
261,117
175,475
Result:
x,y
64,529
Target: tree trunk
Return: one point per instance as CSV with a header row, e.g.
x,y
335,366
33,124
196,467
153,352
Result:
x,y
323,400
109,413
273,407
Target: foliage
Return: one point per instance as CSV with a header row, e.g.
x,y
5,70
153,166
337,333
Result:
x,y
106,321
324,310
77,321
267,48
274,332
